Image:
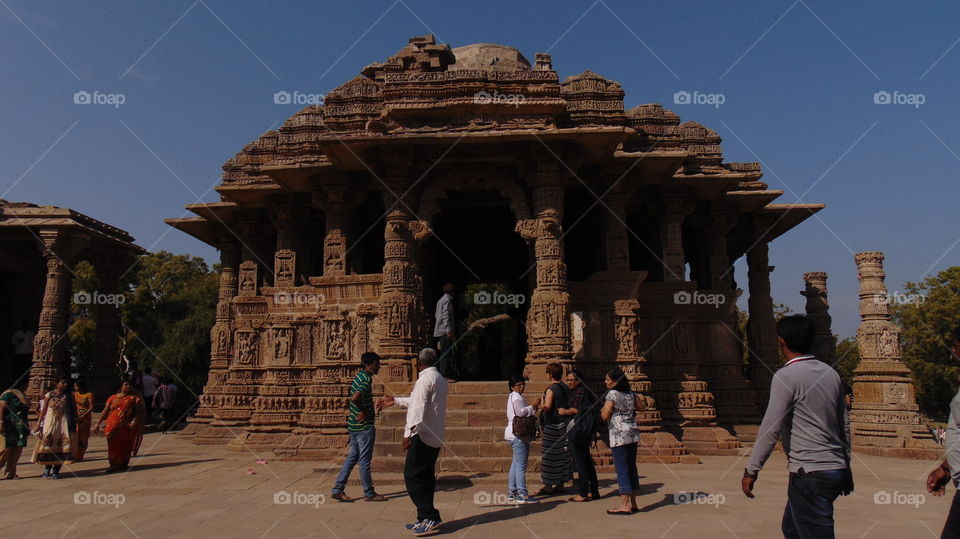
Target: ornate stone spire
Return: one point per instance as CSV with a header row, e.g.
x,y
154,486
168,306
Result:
x,y
885,419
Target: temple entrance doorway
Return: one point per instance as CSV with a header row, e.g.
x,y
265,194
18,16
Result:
x,y
474,246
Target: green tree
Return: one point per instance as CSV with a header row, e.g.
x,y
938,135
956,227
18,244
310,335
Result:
x,y
927,317
170,309
848,356
82,331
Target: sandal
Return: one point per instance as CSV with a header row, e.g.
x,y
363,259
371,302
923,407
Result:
x,y
619,511
580,500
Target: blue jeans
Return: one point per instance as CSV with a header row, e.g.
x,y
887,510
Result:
x,y
361,450
518,468
625,463
809,510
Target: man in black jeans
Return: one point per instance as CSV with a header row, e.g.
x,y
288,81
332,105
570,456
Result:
x,y
422,439
806,413
950,467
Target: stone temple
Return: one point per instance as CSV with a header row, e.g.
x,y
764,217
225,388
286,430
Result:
x,y
471,165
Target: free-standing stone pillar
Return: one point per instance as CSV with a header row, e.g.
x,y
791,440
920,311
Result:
x,y
548,320
885,419
815,290
285,257
761,327
49,343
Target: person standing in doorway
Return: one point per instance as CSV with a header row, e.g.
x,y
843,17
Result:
x,y
443,331
423,437
363,433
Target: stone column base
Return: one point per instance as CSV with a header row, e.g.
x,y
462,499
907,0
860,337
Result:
x,y
710,441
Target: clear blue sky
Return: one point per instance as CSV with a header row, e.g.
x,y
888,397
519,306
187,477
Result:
x,y
798,79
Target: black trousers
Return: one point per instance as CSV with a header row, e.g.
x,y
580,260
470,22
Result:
x,y
419,475
951,529
586,471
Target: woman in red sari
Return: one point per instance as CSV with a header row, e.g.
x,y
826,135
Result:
x,y
124,414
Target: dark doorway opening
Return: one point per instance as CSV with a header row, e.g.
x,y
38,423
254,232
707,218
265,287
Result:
x,y
475,247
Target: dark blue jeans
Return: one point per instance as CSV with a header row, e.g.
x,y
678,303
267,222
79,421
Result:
x,y
625,463
952,527
809,510
361,452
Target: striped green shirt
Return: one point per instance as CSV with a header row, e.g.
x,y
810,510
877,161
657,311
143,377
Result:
x,y
363,383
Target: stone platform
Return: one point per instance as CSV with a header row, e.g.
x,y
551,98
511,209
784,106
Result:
x,y
178,489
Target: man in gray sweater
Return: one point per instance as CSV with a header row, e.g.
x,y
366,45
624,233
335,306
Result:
x,y
806,413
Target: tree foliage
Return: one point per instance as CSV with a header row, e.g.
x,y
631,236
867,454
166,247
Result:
x,y
927,321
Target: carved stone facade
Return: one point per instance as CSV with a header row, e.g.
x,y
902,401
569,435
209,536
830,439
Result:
x,y
353,199
885,419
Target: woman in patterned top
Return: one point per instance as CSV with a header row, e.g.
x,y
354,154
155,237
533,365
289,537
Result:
x,y
620,413
14,426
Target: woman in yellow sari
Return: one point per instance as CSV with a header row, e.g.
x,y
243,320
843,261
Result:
x,y
124,414
84,401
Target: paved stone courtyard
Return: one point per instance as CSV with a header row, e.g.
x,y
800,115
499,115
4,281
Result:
x,y
182,490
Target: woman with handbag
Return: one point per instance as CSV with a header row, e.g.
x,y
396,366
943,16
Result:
x,y
520,431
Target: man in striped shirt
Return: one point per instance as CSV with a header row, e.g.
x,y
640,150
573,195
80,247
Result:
x,y
363,434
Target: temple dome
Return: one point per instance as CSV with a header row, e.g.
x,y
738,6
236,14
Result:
x,y
490,57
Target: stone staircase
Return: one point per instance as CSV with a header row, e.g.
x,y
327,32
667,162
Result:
x,y
475,421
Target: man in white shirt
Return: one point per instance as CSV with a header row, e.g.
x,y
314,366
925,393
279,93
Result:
x,y
443,330
422,438
150,383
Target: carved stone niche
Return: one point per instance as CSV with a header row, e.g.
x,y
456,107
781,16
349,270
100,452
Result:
x,y
247,343
335,339
284,264
281,345
247,280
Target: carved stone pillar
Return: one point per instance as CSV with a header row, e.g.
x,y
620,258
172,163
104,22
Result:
x,y
103,379
548,320
285,258
885,419
818,310
337,212
673,210
630,359
48,344
401,316
721,274
617,242
764,355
